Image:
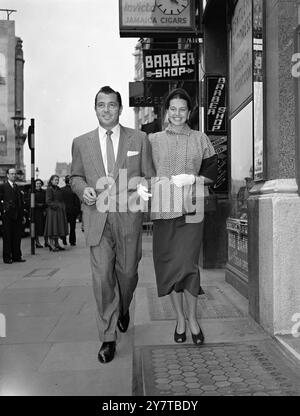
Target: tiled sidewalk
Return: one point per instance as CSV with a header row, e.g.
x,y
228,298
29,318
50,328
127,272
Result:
x,y
237,359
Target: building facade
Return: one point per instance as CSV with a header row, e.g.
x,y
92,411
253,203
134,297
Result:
x,y
247,90
11,99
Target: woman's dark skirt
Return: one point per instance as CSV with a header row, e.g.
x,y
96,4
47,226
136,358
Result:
x,y
176,249
56,222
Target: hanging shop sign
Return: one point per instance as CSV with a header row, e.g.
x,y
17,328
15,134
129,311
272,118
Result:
x,y
215,105
141,94
150,17
220,144
153,93
169,65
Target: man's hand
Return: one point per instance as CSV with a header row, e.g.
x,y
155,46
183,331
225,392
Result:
x,y
143,192
89,196
182,180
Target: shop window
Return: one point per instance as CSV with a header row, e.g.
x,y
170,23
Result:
x,y
241,161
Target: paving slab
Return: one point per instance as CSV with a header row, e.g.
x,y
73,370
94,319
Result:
x,y
29,330
17,358
28,295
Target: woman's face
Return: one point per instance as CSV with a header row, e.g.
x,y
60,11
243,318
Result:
x,y
38,185
178,112
55,180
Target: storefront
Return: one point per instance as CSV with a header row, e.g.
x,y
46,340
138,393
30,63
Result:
x,y
247,104
242,64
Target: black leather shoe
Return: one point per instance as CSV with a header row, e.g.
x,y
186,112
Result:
x,y
9,261
123,322
19,261
107,352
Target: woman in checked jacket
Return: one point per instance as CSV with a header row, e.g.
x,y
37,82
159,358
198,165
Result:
x,y
183,158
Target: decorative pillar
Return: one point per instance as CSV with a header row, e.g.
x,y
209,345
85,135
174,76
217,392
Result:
x,y
274,205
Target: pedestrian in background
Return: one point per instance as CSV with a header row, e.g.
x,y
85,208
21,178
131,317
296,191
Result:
x,y
73,208
39,212
12,210
56,220
182,156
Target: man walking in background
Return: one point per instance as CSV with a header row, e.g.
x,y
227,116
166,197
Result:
x,y
113,235
72,204
12,209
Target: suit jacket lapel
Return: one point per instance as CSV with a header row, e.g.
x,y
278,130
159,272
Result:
x,y
96,154
124,145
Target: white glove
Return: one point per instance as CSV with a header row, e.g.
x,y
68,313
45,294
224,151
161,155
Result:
x,y
143,192
183,179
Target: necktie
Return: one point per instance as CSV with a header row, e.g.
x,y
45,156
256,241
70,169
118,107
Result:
x,y
110,153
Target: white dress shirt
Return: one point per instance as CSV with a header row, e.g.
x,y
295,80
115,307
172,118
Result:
x,y
11,183
115,139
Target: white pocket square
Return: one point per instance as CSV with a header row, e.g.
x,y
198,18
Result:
x,y
132,153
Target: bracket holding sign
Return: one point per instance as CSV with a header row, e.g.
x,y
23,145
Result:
x,y
161,64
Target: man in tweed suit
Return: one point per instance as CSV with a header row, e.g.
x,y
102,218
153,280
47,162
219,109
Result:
x,y
108,167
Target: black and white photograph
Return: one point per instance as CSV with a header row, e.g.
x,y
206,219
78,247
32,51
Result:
x,y
149,201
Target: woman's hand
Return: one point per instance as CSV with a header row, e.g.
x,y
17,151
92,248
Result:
x,y
183,179
143,192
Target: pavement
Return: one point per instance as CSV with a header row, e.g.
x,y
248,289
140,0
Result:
x,y
51,342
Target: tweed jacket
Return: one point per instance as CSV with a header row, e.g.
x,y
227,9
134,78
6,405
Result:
x,y
87,170
189,152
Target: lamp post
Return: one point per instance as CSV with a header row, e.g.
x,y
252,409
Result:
x,y
20,136
37,172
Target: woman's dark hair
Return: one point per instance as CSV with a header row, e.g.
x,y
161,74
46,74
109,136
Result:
x,y
178,93
51,178
39,180
108,90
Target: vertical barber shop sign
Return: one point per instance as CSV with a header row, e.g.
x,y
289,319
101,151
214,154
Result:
x,y
215,125
215,105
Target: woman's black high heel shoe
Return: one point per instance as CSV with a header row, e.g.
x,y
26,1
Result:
x,y
199,338
179,338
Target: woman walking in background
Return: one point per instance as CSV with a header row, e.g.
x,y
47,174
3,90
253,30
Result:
x,y
182,157
39,212
56,220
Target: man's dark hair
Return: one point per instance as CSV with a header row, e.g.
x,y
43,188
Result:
x,y
7,170
178,93
108,90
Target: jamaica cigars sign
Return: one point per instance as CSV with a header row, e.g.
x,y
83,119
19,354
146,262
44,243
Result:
x,y
148,17
161,65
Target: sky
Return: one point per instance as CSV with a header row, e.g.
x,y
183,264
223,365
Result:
x,y
71,49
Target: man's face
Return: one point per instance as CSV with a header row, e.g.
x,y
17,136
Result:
x,y
12,175
108,110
